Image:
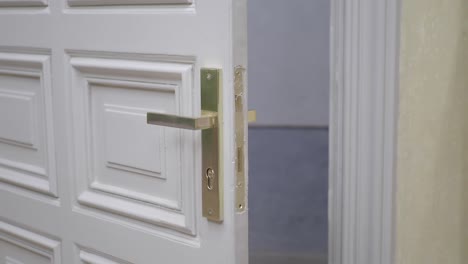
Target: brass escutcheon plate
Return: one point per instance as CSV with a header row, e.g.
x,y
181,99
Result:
x,y
212,176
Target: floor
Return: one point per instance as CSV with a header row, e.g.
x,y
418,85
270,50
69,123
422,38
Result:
x,y
288,190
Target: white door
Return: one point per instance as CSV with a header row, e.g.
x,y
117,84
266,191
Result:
x,y
84,178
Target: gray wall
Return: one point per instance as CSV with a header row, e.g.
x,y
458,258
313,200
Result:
x,y
289,61
288,194
288,85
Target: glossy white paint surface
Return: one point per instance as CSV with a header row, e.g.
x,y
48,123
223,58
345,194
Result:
x,y
83,178
363,130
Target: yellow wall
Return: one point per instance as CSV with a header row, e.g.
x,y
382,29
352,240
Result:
x,y
432,195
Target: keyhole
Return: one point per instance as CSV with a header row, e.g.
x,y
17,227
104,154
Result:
x,y
210,174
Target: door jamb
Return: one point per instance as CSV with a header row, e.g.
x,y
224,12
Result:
x,y
365,37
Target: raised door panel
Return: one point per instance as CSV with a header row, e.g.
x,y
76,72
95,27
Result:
x,y
86,256
27,151
126,169
21,246
23,3
127,2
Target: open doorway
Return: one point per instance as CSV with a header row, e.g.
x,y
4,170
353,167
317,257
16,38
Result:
x,y
288,151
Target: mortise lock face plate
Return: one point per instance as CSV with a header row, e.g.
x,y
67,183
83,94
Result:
x,y
241,181
241,116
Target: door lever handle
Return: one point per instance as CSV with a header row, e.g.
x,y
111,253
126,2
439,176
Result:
x,y
206,121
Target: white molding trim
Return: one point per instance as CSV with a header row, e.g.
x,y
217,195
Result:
x,y
363,130
31,241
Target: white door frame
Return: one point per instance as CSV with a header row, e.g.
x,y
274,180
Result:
x,y
363,129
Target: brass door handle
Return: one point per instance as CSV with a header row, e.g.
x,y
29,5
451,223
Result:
x,y
207,120
212,177
208,123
